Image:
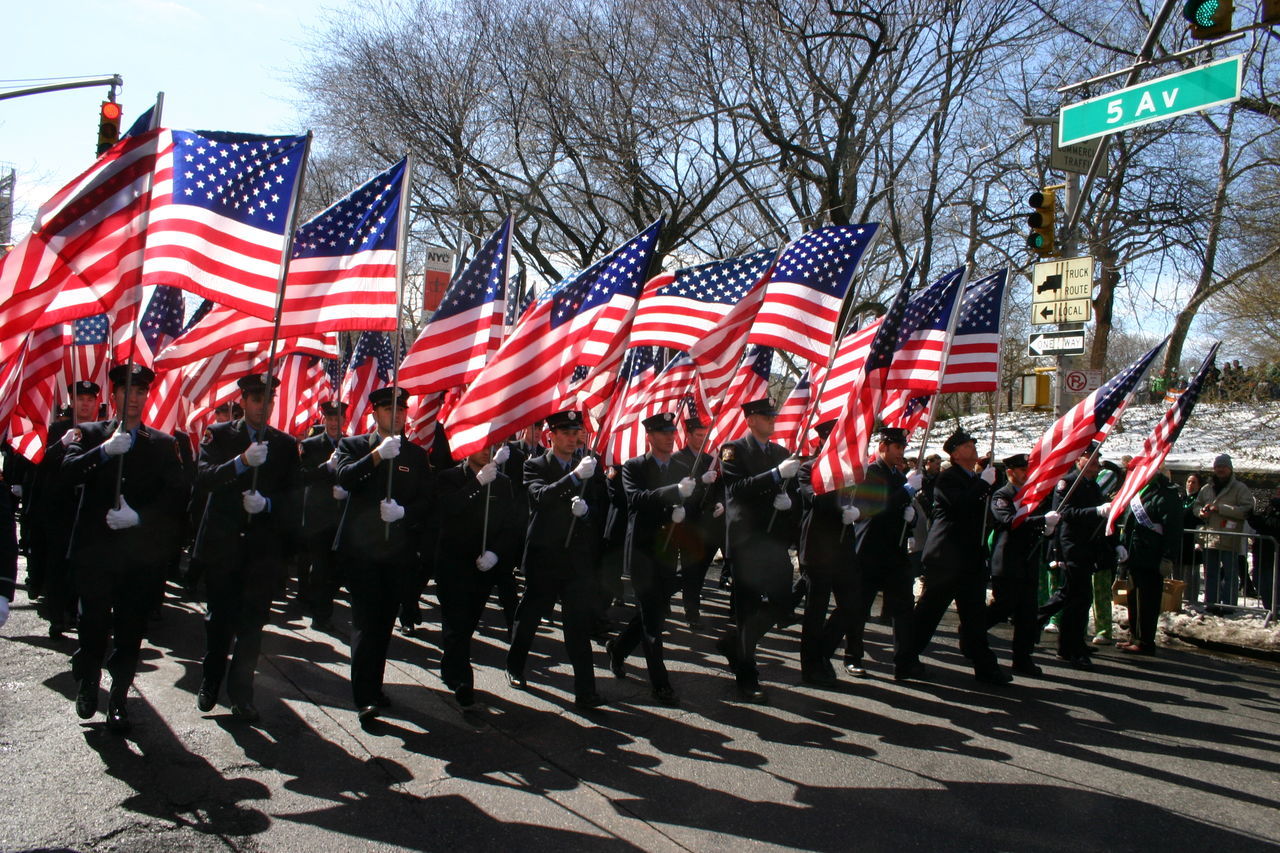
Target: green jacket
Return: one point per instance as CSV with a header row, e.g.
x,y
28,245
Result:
x,y
1163,506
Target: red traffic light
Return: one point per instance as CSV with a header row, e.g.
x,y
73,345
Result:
x,y
111,111
109,115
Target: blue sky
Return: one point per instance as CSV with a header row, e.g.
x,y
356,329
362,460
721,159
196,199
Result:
x,y
222,66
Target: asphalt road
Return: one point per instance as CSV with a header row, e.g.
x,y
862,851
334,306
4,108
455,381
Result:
x,y
1181,750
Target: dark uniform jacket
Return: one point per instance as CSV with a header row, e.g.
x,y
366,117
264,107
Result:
x,y
551,489
881,499
825,541
1014,550
151,484
320,509
223,523
955,545
1079,538
1147,546
652,494
364,536
461,501
752,485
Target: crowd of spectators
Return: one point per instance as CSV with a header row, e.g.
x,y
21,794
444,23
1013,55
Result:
x,y
1231,383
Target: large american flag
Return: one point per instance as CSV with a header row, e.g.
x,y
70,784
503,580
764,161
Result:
x,y
718,354
467,328
342,276
87,357
32,395
1056,452
922,339
161,323
678,309
675,383
581,322
223,327
791,415
370,367
1157,446
750,383
840,382
85,248
973,362
801,306
621,435
303,387
220,208
843,460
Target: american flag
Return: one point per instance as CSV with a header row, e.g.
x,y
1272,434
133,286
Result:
x,y
517,305
922,339
807,287
1157,446
841,380
678,309
1056,452
370,367
30,397
621,435
583,321
843,460
85,248
142,123
223,327
750,383
342,276
161,323
86,358
791,415
906,410
973,362
674,384
166,407
720,351
219,212
302,389
466,330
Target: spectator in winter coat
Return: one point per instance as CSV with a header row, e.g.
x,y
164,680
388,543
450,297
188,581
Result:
x,y
1266,520
1152,531
1221,507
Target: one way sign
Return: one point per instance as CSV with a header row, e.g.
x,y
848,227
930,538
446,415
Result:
x,y
1056,343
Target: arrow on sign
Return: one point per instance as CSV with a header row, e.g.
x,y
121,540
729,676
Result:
x,y
1056,343
1047,312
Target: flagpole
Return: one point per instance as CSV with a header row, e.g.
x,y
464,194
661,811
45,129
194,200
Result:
x,y
290,230
133,332
995,414
402,236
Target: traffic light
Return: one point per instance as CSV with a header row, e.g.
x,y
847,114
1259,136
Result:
x,y
109,115
1208,18
1040,238
1270,13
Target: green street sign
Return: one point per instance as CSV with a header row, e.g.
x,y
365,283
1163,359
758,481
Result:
x,y
1166,97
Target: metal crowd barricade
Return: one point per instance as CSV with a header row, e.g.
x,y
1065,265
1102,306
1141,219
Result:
x,y
1233,573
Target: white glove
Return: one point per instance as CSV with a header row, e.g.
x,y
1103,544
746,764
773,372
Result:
x,y
586,468
578,507
788,467
487,474
850,514
389,447
909,514
911,544
4,610
1103,509
710,477
16,491
1051,519
389,511
486,561
254,502
125,516
118,444
500,457
1122,554
915,480
782,502
332,462
69,437
677,514
988,475
718,511
686,487
255,454
339,493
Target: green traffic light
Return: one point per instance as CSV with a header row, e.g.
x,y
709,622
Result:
x,y
1202,13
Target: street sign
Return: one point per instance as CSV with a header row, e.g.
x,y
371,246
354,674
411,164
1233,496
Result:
x,y
1062,291
1082,381
1076,158
1165,97
1056,343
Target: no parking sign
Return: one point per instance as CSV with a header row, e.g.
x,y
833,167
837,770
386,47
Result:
x,y
1082,381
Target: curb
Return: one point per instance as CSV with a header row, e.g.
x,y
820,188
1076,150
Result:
x,y
1271,655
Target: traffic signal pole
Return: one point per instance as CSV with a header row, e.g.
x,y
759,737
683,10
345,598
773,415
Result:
x,y
1061,400
113,81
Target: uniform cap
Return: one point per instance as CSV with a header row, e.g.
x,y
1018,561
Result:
x,y
1017,460
384,396
569,419
759,407
141,375
661,422
893,435
256,383
83,387
956,439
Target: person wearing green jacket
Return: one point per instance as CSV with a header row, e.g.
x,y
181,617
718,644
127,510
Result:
x,y
1152,535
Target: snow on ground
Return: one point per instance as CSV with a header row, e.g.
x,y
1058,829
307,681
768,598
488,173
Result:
x,y
1250,432
1240,629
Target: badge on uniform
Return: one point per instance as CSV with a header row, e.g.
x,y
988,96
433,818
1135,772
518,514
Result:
x,y
1002,503
1062,485
726,455
404,468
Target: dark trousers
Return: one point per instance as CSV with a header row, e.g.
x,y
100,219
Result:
x,y
1015,596
377,590
60,585
576,594
239,605
113,612
318,583
464,591
762,598
1144,615
695,561
895,580
1073,600
969,591
654,585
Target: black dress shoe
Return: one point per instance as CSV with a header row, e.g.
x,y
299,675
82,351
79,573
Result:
x,y
818,677
588,701
666,696
994,676
617,665
466,696
367,714
909,672
855,669
1080,662
206,699
1026,667
87,699
753,693
517,681
245,712
118,718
